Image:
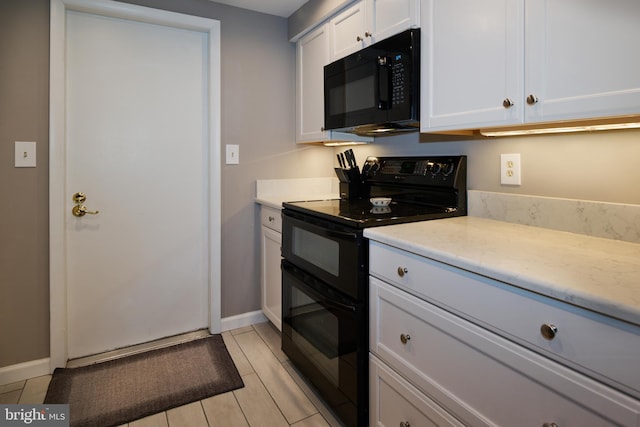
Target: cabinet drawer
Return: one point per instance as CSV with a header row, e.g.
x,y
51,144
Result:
x,y
480,377
393,401
271,218
599,346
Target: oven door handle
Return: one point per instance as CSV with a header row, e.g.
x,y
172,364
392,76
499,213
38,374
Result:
x,y
341,234
339,305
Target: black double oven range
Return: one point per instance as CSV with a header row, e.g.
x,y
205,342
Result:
x,y
326,262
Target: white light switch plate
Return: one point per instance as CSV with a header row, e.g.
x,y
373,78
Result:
x,y
233,154
25,154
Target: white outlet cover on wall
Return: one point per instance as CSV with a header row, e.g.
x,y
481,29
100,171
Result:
x,y
510,169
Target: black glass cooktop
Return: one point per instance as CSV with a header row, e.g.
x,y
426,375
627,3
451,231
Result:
x,y
361,213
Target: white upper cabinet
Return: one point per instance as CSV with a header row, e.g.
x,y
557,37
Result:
x,y
369,21
394,16
351,30
582,59
471,62
311,57
490,63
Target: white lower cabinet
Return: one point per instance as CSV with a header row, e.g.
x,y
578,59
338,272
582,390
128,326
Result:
x,y
271,276
395,402
428,362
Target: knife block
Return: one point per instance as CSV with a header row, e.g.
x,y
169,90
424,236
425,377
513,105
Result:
x,y
350,183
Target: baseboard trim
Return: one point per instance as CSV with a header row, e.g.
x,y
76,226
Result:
x,y
24,371
242,320
36,368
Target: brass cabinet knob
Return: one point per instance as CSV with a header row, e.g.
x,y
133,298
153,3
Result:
x,y
405,338
549,425
548,331
405,424
359,39
507,103
367,34
532,99
402,271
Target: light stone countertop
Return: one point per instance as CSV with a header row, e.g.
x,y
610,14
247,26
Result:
x,y
277,201
598,274
274,192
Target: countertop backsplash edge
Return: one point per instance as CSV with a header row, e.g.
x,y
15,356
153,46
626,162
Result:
x,y
598,219
273,192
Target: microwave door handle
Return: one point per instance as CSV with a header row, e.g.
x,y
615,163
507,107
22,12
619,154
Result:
x,y
384,83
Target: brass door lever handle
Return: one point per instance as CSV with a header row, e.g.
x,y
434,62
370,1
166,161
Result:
x,y
79,209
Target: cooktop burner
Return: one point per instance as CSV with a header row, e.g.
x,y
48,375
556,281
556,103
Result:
x,y
360,213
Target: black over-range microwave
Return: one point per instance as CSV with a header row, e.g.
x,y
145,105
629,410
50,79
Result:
x,y
375,91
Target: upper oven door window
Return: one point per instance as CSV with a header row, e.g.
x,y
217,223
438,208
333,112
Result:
x,y
317,249
335,256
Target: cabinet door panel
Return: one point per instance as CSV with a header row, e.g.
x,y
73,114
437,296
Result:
x,y
271,276
393,401
581,58
480,377
471,61
394,16
347,27
312,56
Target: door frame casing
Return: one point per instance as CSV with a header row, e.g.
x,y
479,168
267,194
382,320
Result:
x,y
57,154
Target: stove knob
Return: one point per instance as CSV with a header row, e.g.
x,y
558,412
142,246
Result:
x,y
447,169
436,168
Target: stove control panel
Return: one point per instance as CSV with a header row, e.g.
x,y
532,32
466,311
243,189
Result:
x,y
436,170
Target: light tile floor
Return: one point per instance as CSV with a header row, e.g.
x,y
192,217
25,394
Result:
x,y
273,395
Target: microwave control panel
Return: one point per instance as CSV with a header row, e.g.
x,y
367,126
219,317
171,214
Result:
x,y
398,94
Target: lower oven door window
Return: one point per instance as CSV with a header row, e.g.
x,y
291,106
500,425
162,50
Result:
x,y
323,337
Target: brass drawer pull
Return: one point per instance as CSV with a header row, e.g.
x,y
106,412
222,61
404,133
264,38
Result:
x,y
402,271
548,331
405,338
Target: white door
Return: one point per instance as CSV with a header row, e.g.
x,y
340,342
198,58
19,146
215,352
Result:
x,y
137,144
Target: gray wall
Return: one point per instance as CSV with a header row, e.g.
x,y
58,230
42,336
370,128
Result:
x,y
258,113
599,166
24,195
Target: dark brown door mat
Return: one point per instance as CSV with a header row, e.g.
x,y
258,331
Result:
x,y
122,390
